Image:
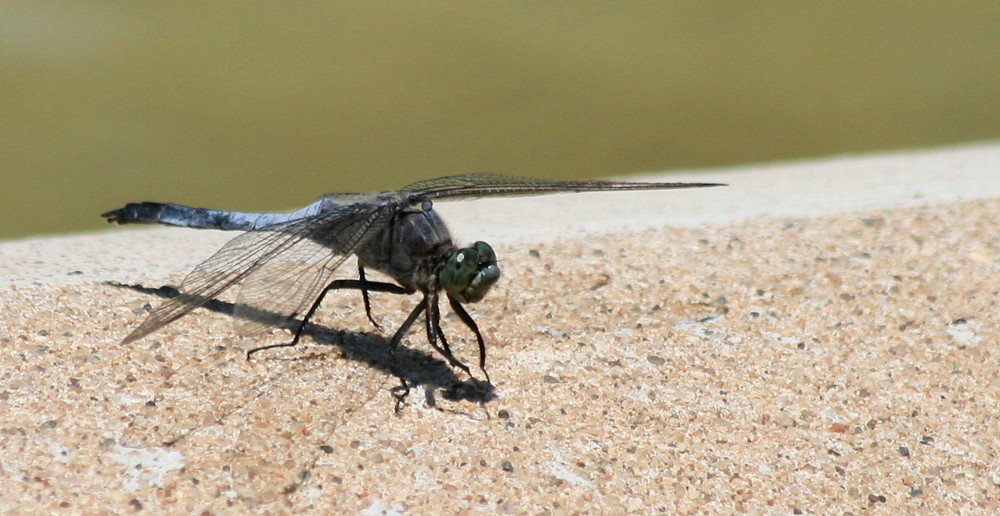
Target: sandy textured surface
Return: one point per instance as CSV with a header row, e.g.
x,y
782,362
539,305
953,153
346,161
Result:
x,y
839,358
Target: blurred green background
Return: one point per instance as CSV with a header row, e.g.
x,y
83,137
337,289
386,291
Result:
x,y
267,105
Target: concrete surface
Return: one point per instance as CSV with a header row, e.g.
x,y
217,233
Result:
x,y
818,337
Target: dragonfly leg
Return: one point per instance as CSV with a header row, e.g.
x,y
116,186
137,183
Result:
x,y
403,389
398,336
434,330
467,319
363,285
400,392
364,296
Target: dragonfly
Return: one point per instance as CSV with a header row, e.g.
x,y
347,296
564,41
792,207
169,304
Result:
x,y
283,265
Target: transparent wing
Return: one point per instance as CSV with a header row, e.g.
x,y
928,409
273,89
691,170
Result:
x,y
287,284
311,248
488,185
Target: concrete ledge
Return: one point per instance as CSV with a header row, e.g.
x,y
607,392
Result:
x,y
820,336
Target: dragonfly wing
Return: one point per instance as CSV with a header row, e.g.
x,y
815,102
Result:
x,y
488,185
286,284
323,241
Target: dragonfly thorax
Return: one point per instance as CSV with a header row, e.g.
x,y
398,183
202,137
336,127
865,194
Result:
x,y
412,249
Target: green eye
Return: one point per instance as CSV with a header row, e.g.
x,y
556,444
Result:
x,y
470,272
486,254
459,270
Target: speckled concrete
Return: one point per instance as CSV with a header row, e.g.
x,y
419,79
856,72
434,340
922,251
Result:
x,y
824,363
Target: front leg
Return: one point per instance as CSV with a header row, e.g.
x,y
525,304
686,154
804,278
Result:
x,y
467,319
433,324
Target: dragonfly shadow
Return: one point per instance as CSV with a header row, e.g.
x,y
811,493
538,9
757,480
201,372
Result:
x,y
415,366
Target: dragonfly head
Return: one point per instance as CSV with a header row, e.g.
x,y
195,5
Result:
x,y
469,272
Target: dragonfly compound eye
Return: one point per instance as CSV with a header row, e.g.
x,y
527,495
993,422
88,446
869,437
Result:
x,y
470,272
